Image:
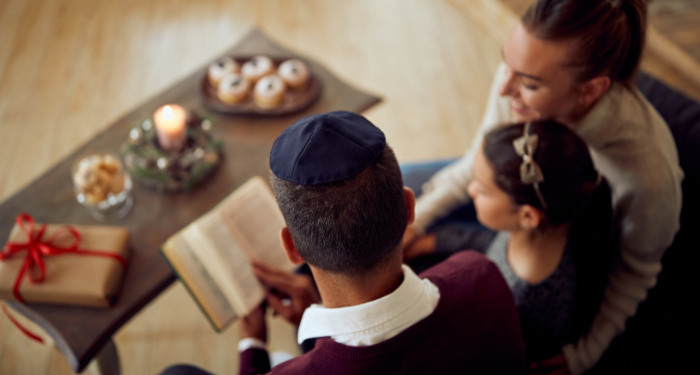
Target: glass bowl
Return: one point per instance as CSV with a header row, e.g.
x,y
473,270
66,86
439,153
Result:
x,y
102,185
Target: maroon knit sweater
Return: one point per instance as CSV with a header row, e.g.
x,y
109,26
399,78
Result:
x,y
474,329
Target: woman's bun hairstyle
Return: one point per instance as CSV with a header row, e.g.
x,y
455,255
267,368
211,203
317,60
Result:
x,y
609,34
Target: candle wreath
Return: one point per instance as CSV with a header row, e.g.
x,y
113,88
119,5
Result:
x,y
171,171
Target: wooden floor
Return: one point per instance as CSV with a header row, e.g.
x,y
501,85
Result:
x,y
680,22
68,68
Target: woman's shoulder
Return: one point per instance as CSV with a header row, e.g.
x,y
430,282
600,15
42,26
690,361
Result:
x,y
636,109
622,115
630,140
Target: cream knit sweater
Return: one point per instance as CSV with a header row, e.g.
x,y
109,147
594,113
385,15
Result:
x,y
632,147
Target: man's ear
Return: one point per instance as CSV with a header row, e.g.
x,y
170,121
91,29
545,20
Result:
x,y
289,248
529,217
410,204
593,89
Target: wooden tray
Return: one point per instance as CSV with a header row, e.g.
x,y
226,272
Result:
x,y
294,100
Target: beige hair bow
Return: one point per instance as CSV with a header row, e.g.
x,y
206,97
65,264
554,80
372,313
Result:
x,y
530,172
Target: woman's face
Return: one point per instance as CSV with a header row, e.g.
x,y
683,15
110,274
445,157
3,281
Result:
x,y
494,208
536,80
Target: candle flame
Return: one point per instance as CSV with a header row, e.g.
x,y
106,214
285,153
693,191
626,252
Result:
x,y
167,112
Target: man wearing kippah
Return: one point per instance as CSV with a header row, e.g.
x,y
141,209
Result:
x,y
340,191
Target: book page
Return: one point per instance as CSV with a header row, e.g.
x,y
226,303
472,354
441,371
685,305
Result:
x,y
199,281
255,220
213,242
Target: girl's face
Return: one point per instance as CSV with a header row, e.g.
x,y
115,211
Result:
x,y
494,208
537,81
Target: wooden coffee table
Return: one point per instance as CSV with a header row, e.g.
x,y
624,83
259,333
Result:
x,y
81,333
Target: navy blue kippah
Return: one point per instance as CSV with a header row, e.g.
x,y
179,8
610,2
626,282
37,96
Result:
x,y
325,148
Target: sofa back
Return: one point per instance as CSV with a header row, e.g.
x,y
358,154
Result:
x,y
663,336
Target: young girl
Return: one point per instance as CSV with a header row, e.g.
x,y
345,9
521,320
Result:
x,y
575,61
536,189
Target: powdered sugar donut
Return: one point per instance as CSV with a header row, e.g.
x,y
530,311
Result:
x,y
294,73
269,92
257,67
233,89
220,68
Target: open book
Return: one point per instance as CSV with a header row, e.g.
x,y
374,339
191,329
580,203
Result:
x,y
212,255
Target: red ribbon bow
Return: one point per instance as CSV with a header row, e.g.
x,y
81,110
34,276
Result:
x,y
37,249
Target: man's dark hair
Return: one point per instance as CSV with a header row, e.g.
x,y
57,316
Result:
x,y
350,226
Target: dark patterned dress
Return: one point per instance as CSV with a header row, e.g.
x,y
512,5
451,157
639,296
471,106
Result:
x,y
546,309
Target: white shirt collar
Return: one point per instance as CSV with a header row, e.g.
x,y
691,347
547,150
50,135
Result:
x,y
374,321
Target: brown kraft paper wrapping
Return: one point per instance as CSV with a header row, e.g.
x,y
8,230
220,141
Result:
x,y
71,279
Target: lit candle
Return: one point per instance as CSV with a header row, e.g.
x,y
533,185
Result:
x,y
170,126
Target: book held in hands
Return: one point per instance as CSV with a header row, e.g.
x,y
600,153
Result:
x,y
212,255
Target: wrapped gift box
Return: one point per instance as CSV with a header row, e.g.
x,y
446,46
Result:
x,y
71,279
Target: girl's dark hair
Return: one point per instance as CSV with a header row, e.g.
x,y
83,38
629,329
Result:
x,y
572,193
609,34
569,174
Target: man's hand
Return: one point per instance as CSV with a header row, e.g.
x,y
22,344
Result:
x,y
294,293
554,366
253,325
415,245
